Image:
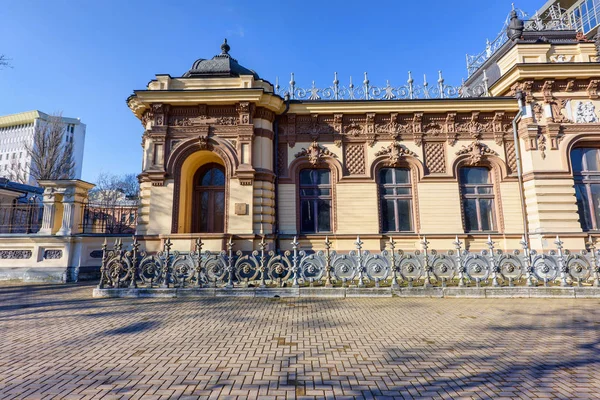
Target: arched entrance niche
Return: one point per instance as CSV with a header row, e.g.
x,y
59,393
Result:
x,y
208,199
193,171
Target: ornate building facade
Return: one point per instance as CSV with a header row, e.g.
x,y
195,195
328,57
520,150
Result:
x,y
227,153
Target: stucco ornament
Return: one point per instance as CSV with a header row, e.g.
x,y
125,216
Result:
x,y
394,153
476,151
585,113
315,153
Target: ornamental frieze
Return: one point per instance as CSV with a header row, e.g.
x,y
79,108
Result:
x,y
476,151
315,153
53,254
418,126
15,254
394,153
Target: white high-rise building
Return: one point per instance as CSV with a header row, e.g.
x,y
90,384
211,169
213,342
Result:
x,y
17,130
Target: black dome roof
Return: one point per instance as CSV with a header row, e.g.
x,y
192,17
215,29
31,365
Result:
x,y
220,65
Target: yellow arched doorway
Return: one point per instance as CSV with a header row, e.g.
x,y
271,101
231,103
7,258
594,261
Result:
x,y
193,171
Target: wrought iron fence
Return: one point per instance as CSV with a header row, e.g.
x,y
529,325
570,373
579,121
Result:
x,y
20,218
111,219
424,267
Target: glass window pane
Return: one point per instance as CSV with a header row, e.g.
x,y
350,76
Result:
x,y
204,212
405,215
474,175
206,178
595,189
470,189
388,216
486,208
307,223
386,175
219,203
218,177
591,160
485,190
308,192
324,192
402,175
470,214
387,190
324,215
322,177
403,191
583,206
219,212
305,177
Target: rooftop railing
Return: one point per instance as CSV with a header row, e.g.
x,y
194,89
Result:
x,y
553,19
366,91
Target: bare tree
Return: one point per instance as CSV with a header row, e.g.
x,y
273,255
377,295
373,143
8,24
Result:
x,y
17,171
51,156
112,190
4,61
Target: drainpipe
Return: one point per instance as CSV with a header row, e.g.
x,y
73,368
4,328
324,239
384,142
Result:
x,y
521,99
286,98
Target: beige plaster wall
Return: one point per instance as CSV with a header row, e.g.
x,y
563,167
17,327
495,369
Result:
x,y
440,207
356,208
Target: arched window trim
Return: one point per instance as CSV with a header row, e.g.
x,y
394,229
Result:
x,y
300,198
415,224
417,171
498,173
493,182
327,162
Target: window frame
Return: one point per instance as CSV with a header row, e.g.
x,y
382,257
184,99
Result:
x,y
315,200
586,178
478,197
382,198
212,191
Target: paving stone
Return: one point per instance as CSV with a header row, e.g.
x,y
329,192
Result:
x,y
60,342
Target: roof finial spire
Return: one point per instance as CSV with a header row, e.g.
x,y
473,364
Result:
x,y
225,47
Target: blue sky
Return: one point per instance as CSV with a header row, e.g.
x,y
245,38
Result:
x,y
85,57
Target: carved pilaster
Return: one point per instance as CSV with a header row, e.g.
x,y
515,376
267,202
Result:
x,y
451,135
245,112
68,213
49,212
417,125
592,89
553,130
370,129
498,127
529,133
291,129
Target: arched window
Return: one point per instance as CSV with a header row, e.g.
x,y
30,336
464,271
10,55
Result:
x,y
315,200
208,215
395,198
477,192
586,173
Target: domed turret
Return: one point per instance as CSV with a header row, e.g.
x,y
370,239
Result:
x,y
221,65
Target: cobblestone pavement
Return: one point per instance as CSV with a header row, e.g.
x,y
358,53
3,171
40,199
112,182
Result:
x,y
58,342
